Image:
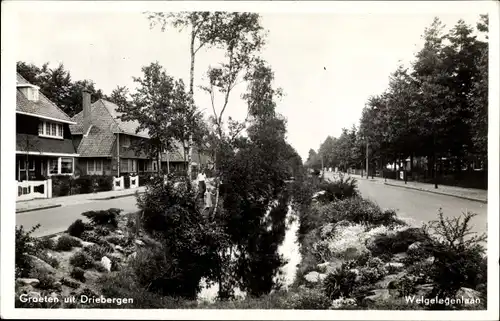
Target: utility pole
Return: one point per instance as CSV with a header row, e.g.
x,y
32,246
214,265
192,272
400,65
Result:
x,y
367,150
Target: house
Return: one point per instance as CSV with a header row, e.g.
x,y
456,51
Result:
x,y
44,145
104,143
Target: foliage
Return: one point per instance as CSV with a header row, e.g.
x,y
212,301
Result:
x,y
24,247
397,242
97,251
339,189
57,85
70,283
44,256
66,243
78,274
76,228
340,283
82,260
102,231
45,243
308,299
107,217
458,254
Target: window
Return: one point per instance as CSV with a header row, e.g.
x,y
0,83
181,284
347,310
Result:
x,y
54,166
94,167
66,165
128,165
154,166
60,166
22,165
50,129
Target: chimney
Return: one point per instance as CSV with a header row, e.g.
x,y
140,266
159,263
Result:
x,y
86,111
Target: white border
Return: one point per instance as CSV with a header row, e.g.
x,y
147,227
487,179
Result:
x,y
9,10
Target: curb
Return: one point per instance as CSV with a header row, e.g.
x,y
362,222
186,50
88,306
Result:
x,y
38,208
440,193
113,197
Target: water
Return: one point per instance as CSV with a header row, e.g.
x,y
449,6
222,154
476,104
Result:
x,y
289,249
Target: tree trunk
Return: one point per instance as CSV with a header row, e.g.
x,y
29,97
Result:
x,y
191,93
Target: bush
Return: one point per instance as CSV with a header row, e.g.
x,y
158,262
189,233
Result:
x,y
97,251
62,185
45,243
104,183
102,231
85,184
43,255
398,242
76,228
126,180
341,283
93,238
66,243
458,254
46,282
24,246
70,283
339,189
308,299
82,260
105,217
78,274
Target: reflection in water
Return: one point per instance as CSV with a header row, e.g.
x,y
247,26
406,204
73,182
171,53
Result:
x,y
289,249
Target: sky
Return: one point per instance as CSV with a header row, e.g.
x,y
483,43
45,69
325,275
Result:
x,y
328,64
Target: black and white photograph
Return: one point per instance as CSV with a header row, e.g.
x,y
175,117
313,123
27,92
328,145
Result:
x,y
300,160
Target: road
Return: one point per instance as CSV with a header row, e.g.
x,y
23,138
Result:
x,y
422,206
58,219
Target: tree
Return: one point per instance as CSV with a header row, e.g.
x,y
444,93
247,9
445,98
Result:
x,y
156,105
204,31
57,86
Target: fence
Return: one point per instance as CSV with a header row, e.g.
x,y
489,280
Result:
x,y
134,181
118,183
28,190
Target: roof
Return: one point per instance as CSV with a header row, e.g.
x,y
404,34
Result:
x,y
34,143
98,143
43,107
118,125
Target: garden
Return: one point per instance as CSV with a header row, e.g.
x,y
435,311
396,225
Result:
x,y
354,255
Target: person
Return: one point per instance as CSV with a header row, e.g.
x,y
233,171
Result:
x,y
201,183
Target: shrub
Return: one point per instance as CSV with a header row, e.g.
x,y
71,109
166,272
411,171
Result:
x,y
406,286
82,260
97,251
102,231
99,267
399,241
458,254
104,183
104,217
339,189
126,180
24,246
308,299
62,185
78,274
341,283
44,255
66,243
85,184
46,282
45,243
76,228
122,241
70,283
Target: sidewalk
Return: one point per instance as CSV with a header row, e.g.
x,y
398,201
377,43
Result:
x,y
38,204
471,194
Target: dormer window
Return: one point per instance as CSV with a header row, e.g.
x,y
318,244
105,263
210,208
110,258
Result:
x,y
50,129
30,91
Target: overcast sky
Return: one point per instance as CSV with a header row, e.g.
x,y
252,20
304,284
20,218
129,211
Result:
x,y
358,51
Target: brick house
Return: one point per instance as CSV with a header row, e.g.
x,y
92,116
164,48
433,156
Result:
x,y
104,143
44,144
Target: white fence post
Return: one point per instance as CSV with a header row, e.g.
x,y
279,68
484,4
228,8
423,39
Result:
x,y
134,181
49,188
118,183
28,190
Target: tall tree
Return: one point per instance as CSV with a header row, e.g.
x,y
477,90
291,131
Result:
x,y
155,106
203,32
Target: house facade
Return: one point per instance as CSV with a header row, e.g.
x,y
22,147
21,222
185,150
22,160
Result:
x,y
44,144
105,143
